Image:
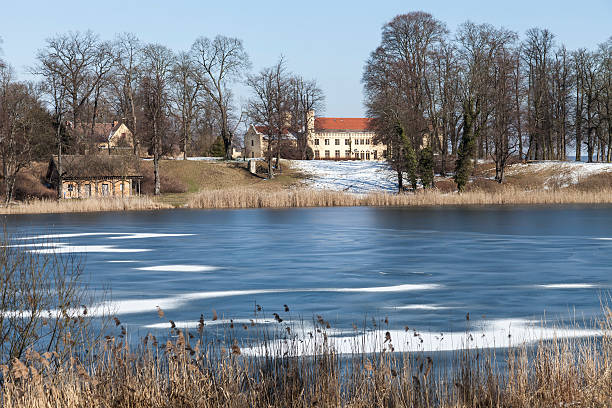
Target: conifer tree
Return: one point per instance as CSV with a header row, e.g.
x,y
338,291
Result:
x,y
426,167
467,147
218,148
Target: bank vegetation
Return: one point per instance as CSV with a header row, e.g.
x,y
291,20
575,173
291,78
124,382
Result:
x,y
507,195
50,206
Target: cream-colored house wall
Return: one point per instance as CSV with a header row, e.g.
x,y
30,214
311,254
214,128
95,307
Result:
x,y
253,143
352,145
114,139
80,189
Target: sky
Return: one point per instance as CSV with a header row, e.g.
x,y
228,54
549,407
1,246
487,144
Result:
x,y
324,40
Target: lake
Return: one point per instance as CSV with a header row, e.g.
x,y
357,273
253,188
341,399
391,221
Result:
x,y
510,268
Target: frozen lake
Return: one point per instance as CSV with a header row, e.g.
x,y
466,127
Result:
x,y
509,268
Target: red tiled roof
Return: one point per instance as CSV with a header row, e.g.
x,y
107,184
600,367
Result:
x,y
264,130
342,123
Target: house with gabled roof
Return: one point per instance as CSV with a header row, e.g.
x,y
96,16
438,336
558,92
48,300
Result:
x,y
95,175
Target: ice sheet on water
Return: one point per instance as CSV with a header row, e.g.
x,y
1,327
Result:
x,y
570,286
195,324
419,307
491,334
111,235
134,306
179,268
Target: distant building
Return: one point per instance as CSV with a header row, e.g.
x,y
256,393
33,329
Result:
x,y
256,141
328,138
344,139
113,136
85,176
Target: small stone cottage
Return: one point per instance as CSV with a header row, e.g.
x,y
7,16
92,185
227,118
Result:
x,y
85,176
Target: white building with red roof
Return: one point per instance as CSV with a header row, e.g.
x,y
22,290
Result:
x,y
329,139
345,139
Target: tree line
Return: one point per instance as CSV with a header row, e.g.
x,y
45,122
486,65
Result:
x,y
483,93
171,101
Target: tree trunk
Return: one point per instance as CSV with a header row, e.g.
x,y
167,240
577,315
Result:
x,y
156,159
59,159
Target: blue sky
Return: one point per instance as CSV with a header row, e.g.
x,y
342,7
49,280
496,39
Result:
x,y
326,40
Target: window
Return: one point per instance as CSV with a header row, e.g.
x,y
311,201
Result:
x,y
316,154
385,154
326,142
316,142
252,154
367,141
327,154
105,189
87,190
347,154
252,142
337,142
367,155
375,154
337,153
362,155
70,187
347,142
362,141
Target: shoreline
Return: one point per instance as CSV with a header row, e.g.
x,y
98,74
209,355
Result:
x,y
249,198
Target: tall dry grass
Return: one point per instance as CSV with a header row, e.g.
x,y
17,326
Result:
x,y
252,198
87,205
191,371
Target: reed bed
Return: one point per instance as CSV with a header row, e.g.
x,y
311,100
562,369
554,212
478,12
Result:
x,y
190,371
252,198
85,205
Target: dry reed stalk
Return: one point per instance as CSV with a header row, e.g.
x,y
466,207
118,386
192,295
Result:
x,y
191,372
251,198
87,205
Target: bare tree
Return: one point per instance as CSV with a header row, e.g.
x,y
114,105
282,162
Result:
x,y
22,121
124,80
270,107
155,79
78,63
478,47
401,87
221,61
306,98
185,96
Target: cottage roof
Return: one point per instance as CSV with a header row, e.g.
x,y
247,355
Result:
x,y
264,130
360,124
101,131
99,166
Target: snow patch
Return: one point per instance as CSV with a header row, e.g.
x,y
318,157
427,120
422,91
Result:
x,y
351,176
132,306
196,324
179,268
569,286
492,334
566,173
419,307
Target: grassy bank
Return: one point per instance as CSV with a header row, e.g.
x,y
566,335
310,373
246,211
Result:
x,y
87,205
252,198
191,371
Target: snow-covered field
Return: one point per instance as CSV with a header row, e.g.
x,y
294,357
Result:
x,y
369,176
351,176
561,173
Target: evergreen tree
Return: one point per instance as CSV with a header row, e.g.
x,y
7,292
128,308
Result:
x,y
467,147
218,148
426,167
